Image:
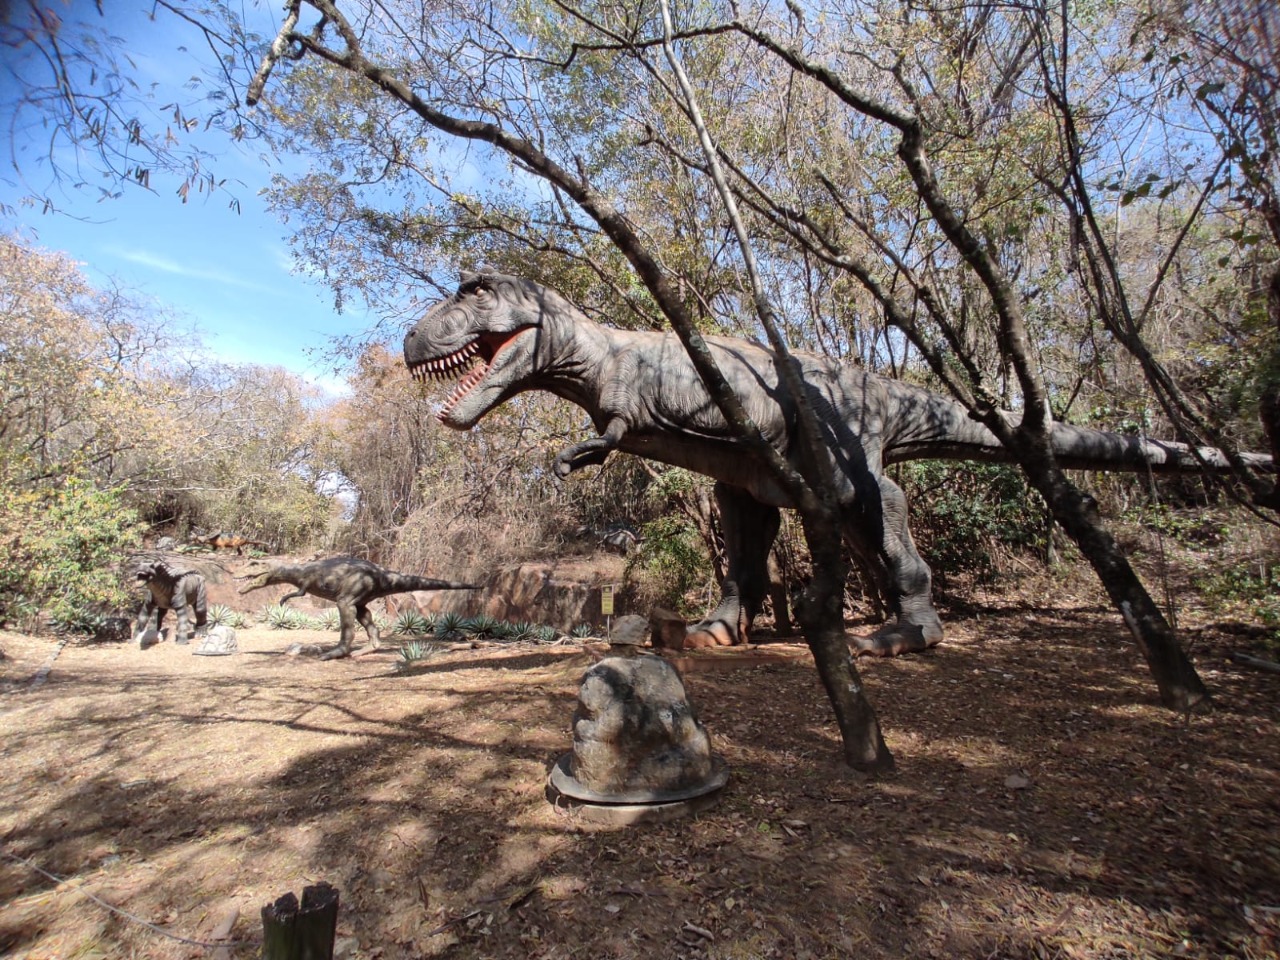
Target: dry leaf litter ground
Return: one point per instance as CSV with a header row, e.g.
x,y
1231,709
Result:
x,y
1044,804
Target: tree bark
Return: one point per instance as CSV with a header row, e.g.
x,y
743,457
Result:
x,y
1179,685
821,616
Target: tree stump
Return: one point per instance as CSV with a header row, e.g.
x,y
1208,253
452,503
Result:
x,y
306,932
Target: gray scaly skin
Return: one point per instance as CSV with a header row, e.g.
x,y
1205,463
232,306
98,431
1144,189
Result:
x,y
502,336
173,587
349,582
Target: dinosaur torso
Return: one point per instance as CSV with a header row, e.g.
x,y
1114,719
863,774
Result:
x,y
504,336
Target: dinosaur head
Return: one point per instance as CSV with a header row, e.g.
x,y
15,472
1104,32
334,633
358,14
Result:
x,y
160,570
257,573
488,336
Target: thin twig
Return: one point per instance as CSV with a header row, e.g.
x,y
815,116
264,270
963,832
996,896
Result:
x,y
124,913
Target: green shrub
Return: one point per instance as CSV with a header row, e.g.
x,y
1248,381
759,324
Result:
x,y
1249,592
521,630
483,627
963,516
62,546
222,615
415,651
1191,528
669,562
449,627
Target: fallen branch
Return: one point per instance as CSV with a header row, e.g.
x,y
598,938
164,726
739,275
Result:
x,y
1256,662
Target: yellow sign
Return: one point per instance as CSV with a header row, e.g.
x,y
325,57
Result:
x,y
606,600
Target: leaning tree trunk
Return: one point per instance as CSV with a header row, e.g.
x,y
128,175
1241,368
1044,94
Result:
x,y
1176,678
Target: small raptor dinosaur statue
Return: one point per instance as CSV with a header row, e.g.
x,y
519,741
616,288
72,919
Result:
x,y
227,541
503,336
349,582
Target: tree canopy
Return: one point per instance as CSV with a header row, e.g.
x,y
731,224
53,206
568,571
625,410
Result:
x,y
1069,212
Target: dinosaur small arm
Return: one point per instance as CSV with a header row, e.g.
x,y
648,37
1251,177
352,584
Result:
x,y
500,336
350,582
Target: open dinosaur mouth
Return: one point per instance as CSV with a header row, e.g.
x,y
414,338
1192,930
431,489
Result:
x,y
470,362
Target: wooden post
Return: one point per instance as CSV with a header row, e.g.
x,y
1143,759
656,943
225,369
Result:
x,y
290,932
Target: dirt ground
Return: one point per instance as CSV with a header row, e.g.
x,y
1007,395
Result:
x,y
1044,804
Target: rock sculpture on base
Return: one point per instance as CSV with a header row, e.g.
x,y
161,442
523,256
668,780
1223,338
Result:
x,y
636,739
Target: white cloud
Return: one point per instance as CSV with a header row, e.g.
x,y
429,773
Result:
x,y
165,265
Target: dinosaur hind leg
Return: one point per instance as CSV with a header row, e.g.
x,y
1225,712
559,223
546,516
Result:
x,y
347,619
879,532
749,528
370,626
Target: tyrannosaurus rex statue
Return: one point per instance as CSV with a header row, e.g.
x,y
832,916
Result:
x,y
349,582
503,336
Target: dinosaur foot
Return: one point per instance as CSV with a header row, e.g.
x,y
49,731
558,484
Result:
x,y
364,652
336,653
894,639
710,633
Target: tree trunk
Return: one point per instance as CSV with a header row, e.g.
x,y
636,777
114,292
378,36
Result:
x,y
1176,678
821,616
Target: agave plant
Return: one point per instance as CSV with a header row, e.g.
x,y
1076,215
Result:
x,y
449,627
546,634
329,619
280,617
220,615
583,631
521,630
479,626
410,623
416,650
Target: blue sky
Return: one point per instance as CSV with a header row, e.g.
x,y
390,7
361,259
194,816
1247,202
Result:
x,y
227,273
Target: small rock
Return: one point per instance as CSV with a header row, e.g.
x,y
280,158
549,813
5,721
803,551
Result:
x,y
220,641
1015,781
303,650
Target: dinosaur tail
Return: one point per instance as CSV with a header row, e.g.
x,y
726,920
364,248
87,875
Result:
x,y
404,582
933,427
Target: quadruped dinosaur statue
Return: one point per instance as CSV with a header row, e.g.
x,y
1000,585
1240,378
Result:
x,y
349,582
502,336
171,586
